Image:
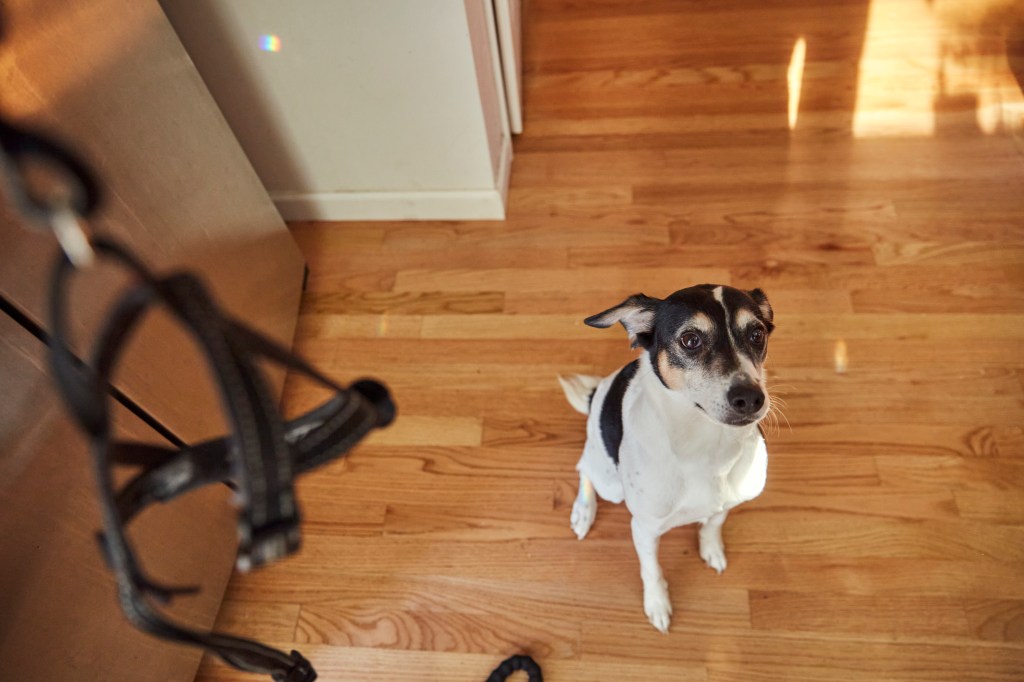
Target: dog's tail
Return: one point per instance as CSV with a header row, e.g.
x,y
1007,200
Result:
x,y
579,390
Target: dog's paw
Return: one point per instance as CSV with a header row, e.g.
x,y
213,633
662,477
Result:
x,y
658,607
582,518
712,551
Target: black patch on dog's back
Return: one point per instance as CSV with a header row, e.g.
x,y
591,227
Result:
x,y
611,410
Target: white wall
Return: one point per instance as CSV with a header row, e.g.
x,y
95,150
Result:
x,y
370,109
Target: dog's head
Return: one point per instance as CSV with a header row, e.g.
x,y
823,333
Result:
x,y
707,343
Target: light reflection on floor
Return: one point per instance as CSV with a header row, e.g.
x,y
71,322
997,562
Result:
x,y
951,64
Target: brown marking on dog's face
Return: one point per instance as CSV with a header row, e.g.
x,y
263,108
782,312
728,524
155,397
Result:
x,y
701,322
744,318
673,376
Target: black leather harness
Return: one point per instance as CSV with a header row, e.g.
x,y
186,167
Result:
x,y
260,458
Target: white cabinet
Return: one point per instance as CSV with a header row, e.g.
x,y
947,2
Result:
x,y
363,109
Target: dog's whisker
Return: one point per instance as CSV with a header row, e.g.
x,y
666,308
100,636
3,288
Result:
x,y
771,420
770,417
774,393
776,409
783,388
773,423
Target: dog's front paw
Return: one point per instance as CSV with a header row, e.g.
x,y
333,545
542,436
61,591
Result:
x,y
657,606
582,518
712,551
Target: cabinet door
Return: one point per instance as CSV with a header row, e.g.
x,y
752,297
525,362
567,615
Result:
x,y
59,617
112,79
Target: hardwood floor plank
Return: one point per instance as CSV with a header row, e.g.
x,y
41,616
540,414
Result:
x,y
954,299
914,325
987,474
878,616
589,302
949,253
470,352
925,163
775,654
419,303
448,631
896,576
270,619
893,352
802,275
543,230
420,430
990,505
538,279
345,516
868,501
838,441
706,256
490,378
856,535
998,620
360,326
822,468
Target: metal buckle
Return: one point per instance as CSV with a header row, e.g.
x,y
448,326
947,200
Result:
x,y
268,543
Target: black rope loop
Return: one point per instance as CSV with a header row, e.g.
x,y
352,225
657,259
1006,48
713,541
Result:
x,y
514,664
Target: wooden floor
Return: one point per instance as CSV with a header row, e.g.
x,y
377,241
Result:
x,y
886,225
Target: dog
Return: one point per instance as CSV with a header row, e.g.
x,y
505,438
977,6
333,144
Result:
x,y
675,433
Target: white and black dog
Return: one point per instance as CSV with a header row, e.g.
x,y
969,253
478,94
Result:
x,y
675,432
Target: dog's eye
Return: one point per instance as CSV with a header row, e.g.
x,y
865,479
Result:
x,y
757,336
691,341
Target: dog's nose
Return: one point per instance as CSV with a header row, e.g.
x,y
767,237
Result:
x,y
746,398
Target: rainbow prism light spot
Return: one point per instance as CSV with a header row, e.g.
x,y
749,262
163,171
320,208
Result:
x,y
270,43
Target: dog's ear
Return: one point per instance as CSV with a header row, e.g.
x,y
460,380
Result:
x,y
636,314
767,315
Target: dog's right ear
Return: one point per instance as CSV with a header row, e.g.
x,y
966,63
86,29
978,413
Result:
x,y
636,314
767,314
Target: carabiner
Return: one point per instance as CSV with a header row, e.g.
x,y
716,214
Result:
x,y
79,196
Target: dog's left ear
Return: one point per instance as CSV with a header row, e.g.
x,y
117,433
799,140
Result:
x,y
765,307
636,314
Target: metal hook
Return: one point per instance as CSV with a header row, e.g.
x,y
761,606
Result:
x,y
67,228
62,212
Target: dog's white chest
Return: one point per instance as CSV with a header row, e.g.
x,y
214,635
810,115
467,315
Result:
x,y
681,475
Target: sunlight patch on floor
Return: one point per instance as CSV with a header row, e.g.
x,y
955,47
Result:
x,y
950,63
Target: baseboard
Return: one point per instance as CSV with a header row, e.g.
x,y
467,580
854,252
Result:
x,y
441,205
471,204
